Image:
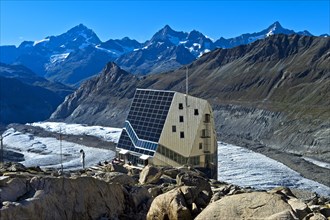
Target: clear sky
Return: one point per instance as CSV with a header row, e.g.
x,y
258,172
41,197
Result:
x,y
34,20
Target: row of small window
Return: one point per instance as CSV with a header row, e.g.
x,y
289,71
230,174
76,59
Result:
x,y
195,110
181,132
177,157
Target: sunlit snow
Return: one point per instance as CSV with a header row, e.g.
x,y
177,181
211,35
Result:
x,y
40,41
45,152
57,58
244,167
317,162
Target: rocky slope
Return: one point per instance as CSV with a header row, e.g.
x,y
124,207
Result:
x,y
111,191
273,93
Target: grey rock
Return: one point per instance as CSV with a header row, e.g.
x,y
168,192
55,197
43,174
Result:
x,y
254,205
150,174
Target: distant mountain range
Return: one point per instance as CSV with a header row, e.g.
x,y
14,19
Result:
x,y
272,92
79,54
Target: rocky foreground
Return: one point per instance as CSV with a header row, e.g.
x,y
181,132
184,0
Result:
x,y
110,191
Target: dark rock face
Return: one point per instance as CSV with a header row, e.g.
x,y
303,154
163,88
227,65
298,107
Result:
x,y
272,92
27,97
22,103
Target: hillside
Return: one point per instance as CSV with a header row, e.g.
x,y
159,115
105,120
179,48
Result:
x,y
273,92
21,103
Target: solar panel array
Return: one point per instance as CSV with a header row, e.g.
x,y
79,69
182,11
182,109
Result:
x,y
145,120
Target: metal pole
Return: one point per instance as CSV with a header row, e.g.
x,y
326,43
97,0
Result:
x,y
187,86
61,150
1,153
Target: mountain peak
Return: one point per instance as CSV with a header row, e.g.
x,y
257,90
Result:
x,y
79,28
83,32
167,33
167,30
277,24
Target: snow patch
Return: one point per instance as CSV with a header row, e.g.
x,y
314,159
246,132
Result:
x,y
317,162
40,41
197,45
57,58
116,53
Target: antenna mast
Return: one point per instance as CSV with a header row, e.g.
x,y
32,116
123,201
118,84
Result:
x,y
187,86
61,150
1,152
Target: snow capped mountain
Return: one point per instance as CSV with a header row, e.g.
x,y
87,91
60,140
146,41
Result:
x,y
79,54
168,34
275,28
77,37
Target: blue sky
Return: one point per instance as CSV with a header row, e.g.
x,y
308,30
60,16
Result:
x,y
34,20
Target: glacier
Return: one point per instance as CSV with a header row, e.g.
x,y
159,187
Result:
x,y
236,165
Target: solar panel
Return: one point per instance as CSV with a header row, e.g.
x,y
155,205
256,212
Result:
x,y
148,113
145,121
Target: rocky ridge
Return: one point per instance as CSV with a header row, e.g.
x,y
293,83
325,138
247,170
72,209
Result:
x,y
113,191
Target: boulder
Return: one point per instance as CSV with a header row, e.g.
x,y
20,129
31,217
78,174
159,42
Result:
x,y
325,211
139,195
11,166
63,198
116,177
190,179
14,167
254,205
283,191
171,172
315,216
299,207
150,174
117,168
170,205
13,189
